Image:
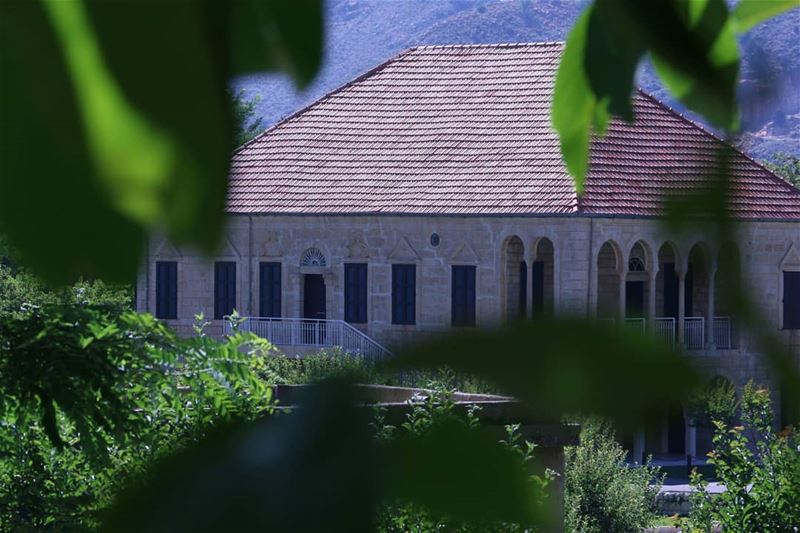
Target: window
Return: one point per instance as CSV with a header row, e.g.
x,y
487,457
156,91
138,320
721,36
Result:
x,y
224,288
355,292
269,295
404,294
463,296
791,300
537,289
166,289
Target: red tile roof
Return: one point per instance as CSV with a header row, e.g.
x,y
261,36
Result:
x,y
465,130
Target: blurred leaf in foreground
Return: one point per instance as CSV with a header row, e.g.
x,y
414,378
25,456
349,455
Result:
x,y
116,121
693,47
567,366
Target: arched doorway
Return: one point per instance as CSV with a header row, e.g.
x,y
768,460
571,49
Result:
x,y
637,288
726,282
543,279
696,297
516,279
608,281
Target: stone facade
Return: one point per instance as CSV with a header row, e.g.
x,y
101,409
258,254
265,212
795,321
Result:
x,y
586,264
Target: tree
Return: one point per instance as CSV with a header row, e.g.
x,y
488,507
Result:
x,y
248,123
787,166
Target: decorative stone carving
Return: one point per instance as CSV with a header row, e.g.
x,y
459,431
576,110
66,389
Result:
x,y
313,257
465,254
270,245
403,251
357,247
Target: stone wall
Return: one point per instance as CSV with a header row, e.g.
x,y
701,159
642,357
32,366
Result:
x,y
764,249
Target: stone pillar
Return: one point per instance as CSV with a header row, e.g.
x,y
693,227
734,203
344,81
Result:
x,y
691,440
710,343
651,303
622,277
638,447
681,305
529,288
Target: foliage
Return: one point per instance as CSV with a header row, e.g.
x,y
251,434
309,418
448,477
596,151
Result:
x,y
21,290
601,492
717,401
786,166
759,468
437,409
248,124
692,45
92,398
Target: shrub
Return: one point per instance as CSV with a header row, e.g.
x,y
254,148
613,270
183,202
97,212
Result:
x,y
92,398
759,468
601,492
439,408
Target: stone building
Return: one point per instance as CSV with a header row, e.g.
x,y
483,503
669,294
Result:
x,y
430,194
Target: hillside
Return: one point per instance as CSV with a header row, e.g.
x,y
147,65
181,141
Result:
x,y
363,33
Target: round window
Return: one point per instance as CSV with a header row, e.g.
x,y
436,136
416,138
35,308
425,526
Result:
x,y
435,240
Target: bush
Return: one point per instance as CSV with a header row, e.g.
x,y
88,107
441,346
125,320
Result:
x,y
439,408
601,492
91,399
759,468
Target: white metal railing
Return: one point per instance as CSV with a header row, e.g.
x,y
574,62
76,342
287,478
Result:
x,y
723,333
694,332
664,329
636,324
312,332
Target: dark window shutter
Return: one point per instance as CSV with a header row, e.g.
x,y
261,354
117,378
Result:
x,y
270,289
166,289
463,295
355,292
537,289
404,289
224,288
791,300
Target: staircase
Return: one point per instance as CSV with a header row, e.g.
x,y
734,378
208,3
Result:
x,y
314,333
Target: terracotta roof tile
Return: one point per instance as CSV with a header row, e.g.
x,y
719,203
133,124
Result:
x,y
466,130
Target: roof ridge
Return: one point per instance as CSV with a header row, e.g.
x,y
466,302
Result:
x,y
719,139
486,45
324,98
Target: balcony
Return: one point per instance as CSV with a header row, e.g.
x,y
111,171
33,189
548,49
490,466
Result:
x,y
694,331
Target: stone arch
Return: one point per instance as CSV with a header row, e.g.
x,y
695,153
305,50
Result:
x,y
637,276
669,268
609,270
515,273
698,272
727,277
543,278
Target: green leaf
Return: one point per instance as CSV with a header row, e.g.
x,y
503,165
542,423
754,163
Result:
x,y
312,470
442,468
566,366
129,102
279,34
749,13
575,108
52,209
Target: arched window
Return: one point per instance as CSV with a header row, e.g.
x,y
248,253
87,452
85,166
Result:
x,y
636,264
313,257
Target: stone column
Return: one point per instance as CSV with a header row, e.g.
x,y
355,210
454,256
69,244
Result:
x,y
622,277
691,440
710,343
638,447
651,303
681,305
